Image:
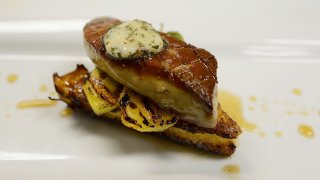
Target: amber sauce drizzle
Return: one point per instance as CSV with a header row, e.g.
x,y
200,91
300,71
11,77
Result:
x,y
43,88
231,169
306,131
290,113
233,106
265,108
251,108
297,91
12,78
66,112
305,113
252,99
278,134
262,134
35,103
8,115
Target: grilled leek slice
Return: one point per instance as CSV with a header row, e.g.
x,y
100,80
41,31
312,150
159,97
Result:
x,y
98,105
135,111
142,115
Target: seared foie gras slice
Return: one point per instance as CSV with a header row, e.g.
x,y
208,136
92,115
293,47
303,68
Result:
x,y
181,77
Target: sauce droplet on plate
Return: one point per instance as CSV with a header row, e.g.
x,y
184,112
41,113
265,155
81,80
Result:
x,y
265,108
297,91
290,112
233,106
35,103
306,131
305,113
252,99
43,88
8,115
231,169
262,134
11,78
278,134
66,112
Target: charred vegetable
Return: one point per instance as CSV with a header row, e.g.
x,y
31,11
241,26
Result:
x,y
142,115
98,105
104,97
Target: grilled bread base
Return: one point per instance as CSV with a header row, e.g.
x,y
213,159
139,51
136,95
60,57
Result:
x,y
218,140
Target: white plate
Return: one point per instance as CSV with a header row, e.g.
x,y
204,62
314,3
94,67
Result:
x,y
264,49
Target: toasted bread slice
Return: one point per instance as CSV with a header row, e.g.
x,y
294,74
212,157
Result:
x,y
218,140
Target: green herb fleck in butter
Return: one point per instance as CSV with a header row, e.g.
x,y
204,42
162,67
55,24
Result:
x,y
132,39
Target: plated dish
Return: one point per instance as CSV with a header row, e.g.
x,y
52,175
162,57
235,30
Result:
x,y
150,82
268,63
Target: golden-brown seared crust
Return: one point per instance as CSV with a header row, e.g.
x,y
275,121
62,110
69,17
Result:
x,y
96,29
182,64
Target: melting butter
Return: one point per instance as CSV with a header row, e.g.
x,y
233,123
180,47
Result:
x,y
132,39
